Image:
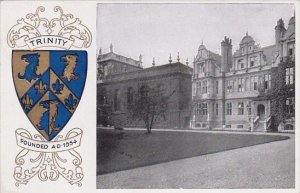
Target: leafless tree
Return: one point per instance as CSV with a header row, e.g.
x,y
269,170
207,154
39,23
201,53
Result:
x,y
149,105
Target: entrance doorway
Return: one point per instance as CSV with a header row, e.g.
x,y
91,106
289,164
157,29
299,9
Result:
x,y
261,111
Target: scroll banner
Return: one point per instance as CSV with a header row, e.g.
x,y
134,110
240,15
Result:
x,y
49,41
26,142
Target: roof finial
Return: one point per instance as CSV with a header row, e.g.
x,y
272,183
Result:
x,y
187,61
100,51
178,58
153,62
247,32
140,60
170,58
111,47
202,42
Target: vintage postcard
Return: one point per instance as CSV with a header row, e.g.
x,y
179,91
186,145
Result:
x,y
174,96
48,50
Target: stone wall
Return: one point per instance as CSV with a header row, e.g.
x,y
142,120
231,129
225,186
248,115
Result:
x,y
175,78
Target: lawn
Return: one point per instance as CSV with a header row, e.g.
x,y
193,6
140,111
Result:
x,y
121,150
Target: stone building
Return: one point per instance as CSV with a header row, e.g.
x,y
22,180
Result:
x,y
244,90
112,63
116,88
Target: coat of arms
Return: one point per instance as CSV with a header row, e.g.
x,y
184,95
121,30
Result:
x,y
49,85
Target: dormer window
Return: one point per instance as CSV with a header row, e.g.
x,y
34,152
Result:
x,y
252,61
240,64
201,68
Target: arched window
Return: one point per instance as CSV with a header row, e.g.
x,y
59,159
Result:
x,y
117,100
129,95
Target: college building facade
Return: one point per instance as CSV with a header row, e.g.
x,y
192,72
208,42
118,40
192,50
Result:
x,y
252,89
119,80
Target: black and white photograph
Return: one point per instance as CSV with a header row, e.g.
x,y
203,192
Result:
x,y
195,95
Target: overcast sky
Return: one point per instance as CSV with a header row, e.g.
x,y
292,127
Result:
x,y
156,30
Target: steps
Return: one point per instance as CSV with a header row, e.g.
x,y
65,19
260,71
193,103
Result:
x,y
260,127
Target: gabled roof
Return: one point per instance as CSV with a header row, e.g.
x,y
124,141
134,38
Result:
x,y
269,53
290,32
204,53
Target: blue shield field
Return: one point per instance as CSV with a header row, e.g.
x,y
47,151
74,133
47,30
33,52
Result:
x,y
49,85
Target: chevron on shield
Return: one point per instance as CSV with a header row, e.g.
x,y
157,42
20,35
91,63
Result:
x,y
49,85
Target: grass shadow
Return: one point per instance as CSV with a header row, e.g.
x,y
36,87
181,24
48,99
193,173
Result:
x,y
121,150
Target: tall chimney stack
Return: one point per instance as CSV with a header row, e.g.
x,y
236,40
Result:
x,y
226,52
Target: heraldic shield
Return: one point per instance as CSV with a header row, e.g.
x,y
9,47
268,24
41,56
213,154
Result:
x,y
49,85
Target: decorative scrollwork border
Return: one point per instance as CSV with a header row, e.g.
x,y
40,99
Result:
x,y
49,165
33,26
